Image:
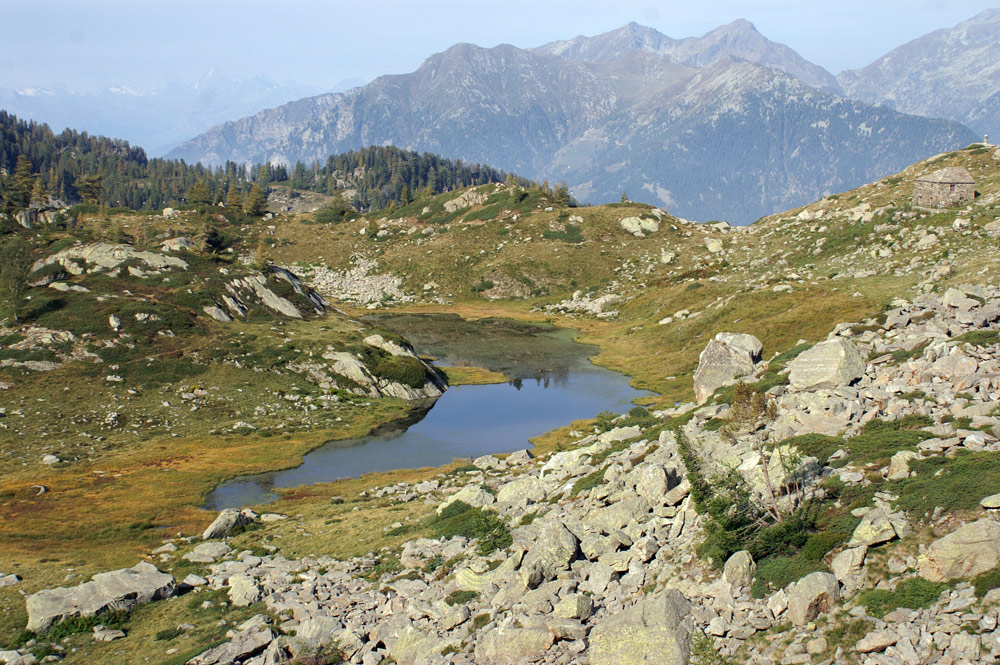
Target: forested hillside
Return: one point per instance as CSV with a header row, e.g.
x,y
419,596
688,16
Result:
x,y
74,166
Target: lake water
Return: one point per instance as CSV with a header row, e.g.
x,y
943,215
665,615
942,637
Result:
x,y
552,382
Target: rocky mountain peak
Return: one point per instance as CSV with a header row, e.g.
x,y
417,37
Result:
x,y
952,73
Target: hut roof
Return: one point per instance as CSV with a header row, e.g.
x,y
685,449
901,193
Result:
x,y
957,175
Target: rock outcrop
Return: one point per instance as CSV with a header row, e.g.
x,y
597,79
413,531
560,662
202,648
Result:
x,y
115,590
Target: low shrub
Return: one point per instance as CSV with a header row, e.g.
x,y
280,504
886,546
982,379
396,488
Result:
x,y
986,582
461,597
914,593
461,519
113,620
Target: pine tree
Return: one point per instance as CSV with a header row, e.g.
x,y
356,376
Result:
x,y
253,203
625,198
234,201
562,195
90,188
23,183
199,193
15,264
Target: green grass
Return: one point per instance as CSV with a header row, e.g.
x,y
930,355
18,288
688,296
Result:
x,y
588,482
986,582
819,446
572,234
914,593
980,337
881,439
958,483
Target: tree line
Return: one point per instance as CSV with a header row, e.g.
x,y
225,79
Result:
x,y
76,167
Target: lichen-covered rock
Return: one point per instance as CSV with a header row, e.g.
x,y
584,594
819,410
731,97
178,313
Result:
x,y
811,596
551,554
656,630
848,562
118,589
725,359
507,645
967,552
836,362
874,528
739,569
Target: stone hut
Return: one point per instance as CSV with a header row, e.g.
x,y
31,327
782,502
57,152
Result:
x,y
947,187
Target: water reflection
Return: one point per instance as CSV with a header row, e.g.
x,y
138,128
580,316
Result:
x,y
467,421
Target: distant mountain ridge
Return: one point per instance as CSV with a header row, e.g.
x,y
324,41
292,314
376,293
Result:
x,y
951,73
696,124
739,39
156,118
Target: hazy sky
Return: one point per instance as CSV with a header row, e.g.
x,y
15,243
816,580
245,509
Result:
x,y
86,44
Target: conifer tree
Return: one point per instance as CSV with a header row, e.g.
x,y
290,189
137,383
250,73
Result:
x,y
253,202
234,201
15,264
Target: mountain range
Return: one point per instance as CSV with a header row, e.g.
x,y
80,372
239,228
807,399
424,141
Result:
x,y
953,73
157,117
726,126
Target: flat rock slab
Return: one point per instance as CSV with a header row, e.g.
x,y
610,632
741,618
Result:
x,y
656,630
965,553
118,589
836,362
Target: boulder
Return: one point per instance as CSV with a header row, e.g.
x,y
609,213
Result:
x,y
639,227
811,596
574,606
876,640
177,244
829,364
473,495
507,645
713,245
227,520
243,590
207,552
991,502
655,630
967,552
848,562
899,465
957,300
414,647
240,649
217,313
119,589
524,490
875,528
551,554
739,569
726,358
